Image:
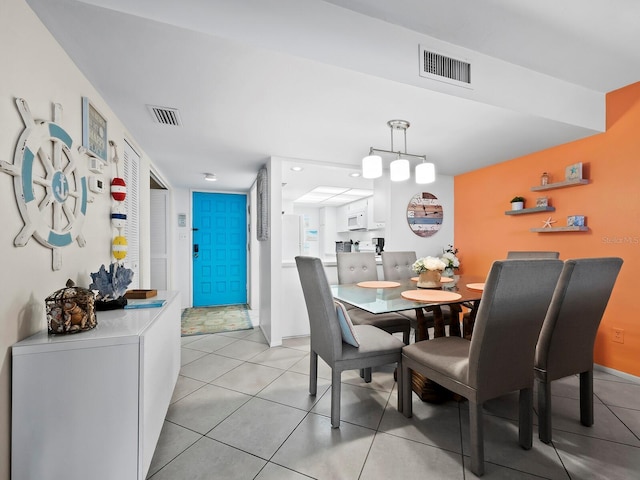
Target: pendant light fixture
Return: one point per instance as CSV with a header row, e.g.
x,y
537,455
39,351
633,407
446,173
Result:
x,y
400,168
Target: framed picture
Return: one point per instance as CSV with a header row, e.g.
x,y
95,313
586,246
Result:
x,y
573,172
94,130
575,221
542,202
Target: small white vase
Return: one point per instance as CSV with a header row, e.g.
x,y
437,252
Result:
x,y
517,205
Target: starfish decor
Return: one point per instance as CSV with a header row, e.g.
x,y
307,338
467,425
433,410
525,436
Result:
x,y
548,222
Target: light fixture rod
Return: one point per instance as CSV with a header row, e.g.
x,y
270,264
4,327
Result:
x,y
378,150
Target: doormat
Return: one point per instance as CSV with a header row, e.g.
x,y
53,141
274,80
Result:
x,y
203,320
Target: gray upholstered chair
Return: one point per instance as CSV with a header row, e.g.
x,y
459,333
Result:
x,y
499,357
361,267
398,266
376,347
565,346
521,255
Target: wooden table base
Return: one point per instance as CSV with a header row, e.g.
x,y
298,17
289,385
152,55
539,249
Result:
x,y
427,390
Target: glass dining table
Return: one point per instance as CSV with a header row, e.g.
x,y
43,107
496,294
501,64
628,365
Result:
x,y
385,297
458,291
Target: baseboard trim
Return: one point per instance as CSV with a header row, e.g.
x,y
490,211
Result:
x,y
617,373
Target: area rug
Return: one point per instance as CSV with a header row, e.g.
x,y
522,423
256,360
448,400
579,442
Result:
x,y
203,320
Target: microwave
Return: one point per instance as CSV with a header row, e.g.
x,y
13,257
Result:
x,y
357,220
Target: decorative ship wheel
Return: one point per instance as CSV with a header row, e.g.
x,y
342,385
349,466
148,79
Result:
x,y
51,194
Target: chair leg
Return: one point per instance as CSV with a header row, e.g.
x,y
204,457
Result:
x,y
407,407
544,411
477,438
367,375
313,373
586,398
406,336
336,377
399,385
525,423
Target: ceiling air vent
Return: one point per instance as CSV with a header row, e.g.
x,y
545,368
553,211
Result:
x,y
446,69
165,116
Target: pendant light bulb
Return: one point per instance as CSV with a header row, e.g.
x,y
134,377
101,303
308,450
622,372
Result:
x,y
400,170
425,173
372,166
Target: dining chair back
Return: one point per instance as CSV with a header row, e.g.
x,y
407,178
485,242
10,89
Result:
x,y
398,265
567,338
361,267
531,254
356,267
498,358
375,346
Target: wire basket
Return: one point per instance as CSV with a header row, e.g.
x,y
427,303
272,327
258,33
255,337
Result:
x,y
71,310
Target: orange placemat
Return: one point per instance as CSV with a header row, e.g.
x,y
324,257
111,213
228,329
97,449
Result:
x,y
430,295
442,279
378,284
475,286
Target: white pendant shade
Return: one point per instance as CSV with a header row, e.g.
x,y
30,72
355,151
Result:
x,y
425,173
400,170
372,166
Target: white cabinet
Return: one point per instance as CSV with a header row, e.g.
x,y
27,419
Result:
x,y
92,404
342,213
373,223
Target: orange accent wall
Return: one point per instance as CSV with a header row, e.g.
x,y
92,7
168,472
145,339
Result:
x,y
610,204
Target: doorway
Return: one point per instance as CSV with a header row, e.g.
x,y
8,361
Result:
x,y
219,249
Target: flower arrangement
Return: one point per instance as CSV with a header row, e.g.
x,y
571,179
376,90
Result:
x,y
428,263
449,257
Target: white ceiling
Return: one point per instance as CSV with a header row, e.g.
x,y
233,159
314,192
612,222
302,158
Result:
x,y
318,80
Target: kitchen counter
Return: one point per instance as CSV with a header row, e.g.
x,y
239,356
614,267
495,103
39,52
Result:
x,y
327,261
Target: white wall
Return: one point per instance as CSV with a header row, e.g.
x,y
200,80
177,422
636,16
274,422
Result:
x,y
182,247
399,236
37,69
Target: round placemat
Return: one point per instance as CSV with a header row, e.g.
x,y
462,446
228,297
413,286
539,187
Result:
x,y
430,295
378,284
442,279
475,286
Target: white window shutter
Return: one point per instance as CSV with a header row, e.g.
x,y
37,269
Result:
x,y
132,207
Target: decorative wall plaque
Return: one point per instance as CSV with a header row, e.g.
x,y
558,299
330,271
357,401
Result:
x,y
424,214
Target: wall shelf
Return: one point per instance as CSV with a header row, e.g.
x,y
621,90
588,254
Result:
x,y
567,183
530,210
560,229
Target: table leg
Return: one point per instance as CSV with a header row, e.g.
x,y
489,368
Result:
x,y
469,319
438,321
421,328
454,327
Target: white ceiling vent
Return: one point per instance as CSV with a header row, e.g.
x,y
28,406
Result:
x,y
445,69
165,116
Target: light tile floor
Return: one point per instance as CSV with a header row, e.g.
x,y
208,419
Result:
x,y
242,410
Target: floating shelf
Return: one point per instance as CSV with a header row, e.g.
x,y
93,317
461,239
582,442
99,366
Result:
x,y
567,183
560,229
530,210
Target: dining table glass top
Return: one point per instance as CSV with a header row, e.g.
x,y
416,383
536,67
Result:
x,y
390,299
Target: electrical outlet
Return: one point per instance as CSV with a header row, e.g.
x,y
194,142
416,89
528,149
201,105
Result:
x,y
618,335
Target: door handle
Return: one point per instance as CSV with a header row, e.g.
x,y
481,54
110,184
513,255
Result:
x,y
195,250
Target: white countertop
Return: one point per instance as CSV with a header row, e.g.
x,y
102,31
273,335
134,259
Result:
x,y
327,261
114,327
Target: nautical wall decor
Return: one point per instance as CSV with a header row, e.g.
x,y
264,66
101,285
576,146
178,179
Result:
x,y
118,211
50,191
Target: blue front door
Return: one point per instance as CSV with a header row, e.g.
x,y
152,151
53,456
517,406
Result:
x,y
219,249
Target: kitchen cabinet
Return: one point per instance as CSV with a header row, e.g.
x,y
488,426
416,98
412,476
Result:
x,y
91,405
367,206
